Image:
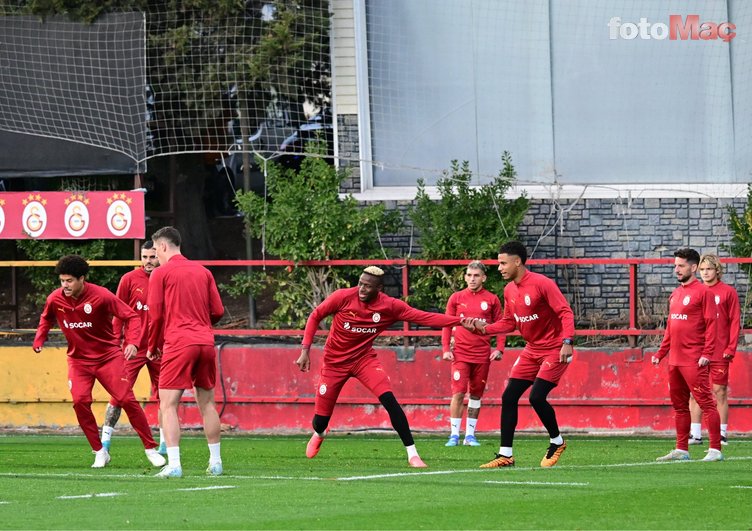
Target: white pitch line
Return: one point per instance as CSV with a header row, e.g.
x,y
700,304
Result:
x,y
525,469
741,486
544,483
100,495
215,487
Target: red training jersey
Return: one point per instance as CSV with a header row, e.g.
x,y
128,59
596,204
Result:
x,y
183,304
691,325
470,347
356,324
86,322
132,290
537,308
728,324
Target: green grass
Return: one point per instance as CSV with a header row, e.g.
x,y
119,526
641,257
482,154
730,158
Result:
x,y
363,482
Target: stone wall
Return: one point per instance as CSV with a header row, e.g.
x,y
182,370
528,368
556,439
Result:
x,y
597,228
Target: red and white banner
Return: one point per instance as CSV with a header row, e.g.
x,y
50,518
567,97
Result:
x,y
72,215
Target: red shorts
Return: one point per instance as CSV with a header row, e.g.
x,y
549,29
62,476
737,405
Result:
x,y
469,377
543,365
194,366
133,367
719,372
367,371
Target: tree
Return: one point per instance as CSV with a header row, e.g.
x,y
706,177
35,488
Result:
x,y
304,218
210,62
465,223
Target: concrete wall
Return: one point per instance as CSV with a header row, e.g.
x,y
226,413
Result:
x,y
603,390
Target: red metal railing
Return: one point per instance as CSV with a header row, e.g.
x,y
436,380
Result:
x,y
631,263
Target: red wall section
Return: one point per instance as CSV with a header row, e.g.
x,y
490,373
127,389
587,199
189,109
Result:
x,y
602,390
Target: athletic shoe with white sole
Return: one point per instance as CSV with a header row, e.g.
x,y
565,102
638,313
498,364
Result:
x,y
162,449
694,440
713,455
454,440
675,455
101,458
106,445
724,440
155,458
470,440
170,472
214,469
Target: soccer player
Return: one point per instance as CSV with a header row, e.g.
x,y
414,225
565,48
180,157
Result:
x,y
690,342
133,289
727,336
533,304
183,304
471,355
360,314
84,313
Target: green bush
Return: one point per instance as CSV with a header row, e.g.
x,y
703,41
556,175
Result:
x,y
465,223
44,280
304,218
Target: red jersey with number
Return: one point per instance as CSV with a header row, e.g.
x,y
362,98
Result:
x,y
132,290
728,324
537,308
691,325
86,322
183,304
470,347
356,324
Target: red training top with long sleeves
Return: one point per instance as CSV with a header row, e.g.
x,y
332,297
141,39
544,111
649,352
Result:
x,y
728,324
470,347
86,323
356,324
691,325
132,290
539,310
183,304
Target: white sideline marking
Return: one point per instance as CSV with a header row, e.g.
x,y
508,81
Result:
x,y
372,476
215,487
733,487
560,467
545,483
100,495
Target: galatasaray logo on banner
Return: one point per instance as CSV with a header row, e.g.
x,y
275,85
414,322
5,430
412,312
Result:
x,y
76,215
119,214
72,215
34,217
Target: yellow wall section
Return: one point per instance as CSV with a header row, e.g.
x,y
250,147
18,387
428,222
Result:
x,y
34,389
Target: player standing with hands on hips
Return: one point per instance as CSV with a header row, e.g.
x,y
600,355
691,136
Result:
x,y
84,312
471,355
690,342
360,314
533,304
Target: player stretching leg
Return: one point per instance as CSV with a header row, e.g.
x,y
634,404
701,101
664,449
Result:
x,y
360,315
133,289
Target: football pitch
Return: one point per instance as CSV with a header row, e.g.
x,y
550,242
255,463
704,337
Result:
x,y
363,482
